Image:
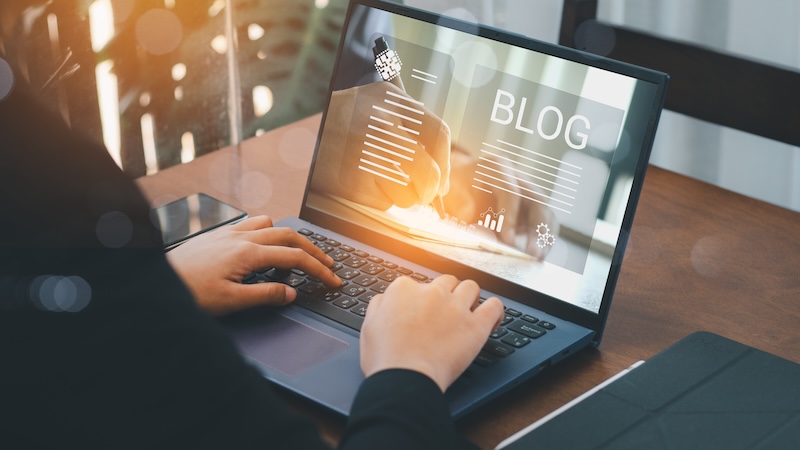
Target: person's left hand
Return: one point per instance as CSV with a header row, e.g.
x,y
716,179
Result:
x,y
213,264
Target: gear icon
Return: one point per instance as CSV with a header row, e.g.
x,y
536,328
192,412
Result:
x,y
542,229
545,239
541,242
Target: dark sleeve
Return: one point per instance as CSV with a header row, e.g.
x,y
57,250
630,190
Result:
x,y
101,345
401,409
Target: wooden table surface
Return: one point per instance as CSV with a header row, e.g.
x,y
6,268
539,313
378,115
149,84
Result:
x,y
699,258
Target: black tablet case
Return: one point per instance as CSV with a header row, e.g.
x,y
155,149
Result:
x,y
705,391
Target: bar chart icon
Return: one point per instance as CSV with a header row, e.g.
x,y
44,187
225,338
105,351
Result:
x,y
492,220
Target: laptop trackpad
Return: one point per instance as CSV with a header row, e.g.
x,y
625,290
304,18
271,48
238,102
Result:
x,y
285,344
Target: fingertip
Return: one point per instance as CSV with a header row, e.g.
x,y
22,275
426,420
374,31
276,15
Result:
x,y
264,220
289,294
493,308
254,223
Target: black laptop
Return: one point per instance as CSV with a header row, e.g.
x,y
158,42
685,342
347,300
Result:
x,y
449,147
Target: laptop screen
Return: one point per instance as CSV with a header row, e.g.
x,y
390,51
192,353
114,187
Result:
x,y
485,149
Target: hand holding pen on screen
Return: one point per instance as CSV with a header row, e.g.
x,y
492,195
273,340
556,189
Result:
x,y
389,66
383,148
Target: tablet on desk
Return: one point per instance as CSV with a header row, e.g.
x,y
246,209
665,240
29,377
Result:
x,y
705,391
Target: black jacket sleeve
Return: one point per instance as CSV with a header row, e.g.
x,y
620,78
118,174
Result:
x,y
401,409
102,346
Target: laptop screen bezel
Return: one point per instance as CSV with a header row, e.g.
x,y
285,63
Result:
x,y
527,296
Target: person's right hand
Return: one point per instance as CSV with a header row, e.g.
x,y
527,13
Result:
x,y
403,328
360,111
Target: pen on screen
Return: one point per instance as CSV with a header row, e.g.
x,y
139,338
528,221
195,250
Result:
x,y
388,64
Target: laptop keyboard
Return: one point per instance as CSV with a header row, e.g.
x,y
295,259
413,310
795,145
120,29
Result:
x,y
365,276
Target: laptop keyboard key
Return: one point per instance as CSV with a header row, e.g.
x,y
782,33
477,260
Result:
x,y
294,280
365,280
348,274
532,331
498,333
250,279
546,325
355,262
339,255
516,340
529,318
373,268
328,295
367,296
498,349
379,287
389,275
276,274
324,247
419,276
345,302
353,290
361,310
485,360
311,288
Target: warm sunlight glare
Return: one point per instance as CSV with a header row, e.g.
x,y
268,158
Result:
x,y
262,100
107,97
101,23
149,144
187,147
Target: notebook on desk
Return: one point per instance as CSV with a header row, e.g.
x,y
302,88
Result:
x,y
547,156
705,391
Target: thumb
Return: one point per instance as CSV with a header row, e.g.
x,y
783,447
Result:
x,y
250,295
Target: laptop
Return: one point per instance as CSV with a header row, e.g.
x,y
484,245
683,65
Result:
x,y
705,391
450,147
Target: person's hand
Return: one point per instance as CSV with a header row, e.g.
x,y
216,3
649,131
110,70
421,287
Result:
x,y
403,328
213,264
417,155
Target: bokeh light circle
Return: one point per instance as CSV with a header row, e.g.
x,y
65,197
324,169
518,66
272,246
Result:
x,y
291,141
114,229
159,31
6,79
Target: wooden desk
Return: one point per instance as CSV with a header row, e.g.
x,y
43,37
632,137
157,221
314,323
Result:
x,y
699,258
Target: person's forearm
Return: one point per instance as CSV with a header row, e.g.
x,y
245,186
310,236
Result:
x,y
400,409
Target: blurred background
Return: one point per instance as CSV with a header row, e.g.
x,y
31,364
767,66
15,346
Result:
x,y
161,82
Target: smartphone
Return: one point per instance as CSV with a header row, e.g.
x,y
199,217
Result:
x,y
192,215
